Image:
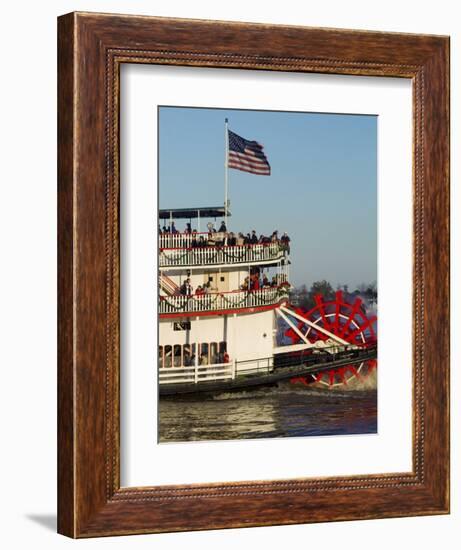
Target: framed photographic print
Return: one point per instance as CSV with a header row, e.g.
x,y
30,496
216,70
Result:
x,y
244,330
238,206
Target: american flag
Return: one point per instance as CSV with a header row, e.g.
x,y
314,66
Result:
x,y
247,156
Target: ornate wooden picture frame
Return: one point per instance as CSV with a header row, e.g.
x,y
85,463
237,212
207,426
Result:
x,y
92,48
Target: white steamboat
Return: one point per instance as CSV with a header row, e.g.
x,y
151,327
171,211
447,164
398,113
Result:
x,y
217,299
220,306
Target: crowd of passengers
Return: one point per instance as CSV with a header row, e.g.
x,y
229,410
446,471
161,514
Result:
x,y
254,281
222,237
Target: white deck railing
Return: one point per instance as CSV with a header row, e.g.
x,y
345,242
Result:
x,y
197,373
221,371
180,240
221,255
239,299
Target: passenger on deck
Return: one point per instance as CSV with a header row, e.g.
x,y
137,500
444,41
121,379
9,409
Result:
x,y
188,228
193,241
274,281
231,239
210,227
222,228
201,242
199,291
253,238
203,359
186,288
173,229
247,239
275,236
211,239
240,240
264,240
266,282
165,229
285,240
220,238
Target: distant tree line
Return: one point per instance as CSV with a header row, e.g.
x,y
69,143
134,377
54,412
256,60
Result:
x,y
305,298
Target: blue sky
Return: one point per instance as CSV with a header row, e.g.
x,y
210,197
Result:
x,y
322,189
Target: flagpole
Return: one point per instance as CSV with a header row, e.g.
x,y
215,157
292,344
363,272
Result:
x,y
226,170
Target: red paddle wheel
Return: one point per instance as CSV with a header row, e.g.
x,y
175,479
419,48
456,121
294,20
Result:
x,y
349,322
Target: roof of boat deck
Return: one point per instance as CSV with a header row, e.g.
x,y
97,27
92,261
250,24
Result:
x,y
192,213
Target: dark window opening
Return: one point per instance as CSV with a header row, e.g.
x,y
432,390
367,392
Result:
x,y
183,325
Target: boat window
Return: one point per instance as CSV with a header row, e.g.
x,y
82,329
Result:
x,y
209,353
187,355
168,353
203,358
177,355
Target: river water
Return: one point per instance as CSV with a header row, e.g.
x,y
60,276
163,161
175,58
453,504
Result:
x,y
287,410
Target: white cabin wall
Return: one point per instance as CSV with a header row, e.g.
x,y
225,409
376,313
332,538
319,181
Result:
x,y
251,335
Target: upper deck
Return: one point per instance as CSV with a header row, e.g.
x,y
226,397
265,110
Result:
x,y
191,248
223,302
204,249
